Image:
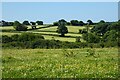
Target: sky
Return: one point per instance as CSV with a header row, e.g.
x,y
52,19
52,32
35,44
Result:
x,y
50,12
119,11
59,0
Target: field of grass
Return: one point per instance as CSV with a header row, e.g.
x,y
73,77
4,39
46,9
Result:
x,y
60,63
48,32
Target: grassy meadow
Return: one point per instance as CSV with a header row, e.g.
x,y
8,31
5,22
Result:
x,y
60,63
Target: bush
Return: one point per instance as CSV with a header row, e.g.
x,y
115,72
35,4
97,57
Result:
x,y
15,37
6,39
110,36
29,37
82,31
19,27
91,38
55,23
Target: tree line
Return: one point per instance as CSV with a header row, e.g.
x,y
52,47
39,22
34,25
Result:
x,y
102,34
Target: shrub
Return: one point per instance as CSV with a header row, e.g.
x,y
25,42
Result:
x,y
91,38
29,37
15,37
110,36
82,31
19,27
55,23
6,39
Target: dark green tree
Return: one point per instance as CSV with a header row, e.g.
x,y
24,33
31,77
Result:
x,y
55,23
102,21
68,23
33,25
100,28
111,35
19,27
81,23
74,22
114,26
90,22
39,22
6,39
62,29
91,38
26,23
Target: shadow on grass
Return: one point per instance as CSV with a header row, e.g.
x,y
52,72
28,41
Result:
x,y
41,27
57,35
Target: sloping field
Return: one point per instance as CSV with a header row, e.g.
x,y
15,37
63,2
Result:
x,y
49,32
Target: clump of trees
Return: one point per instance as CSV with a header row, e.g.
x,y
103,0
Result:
x,y
39,22
26,23
77,23
74,23
62,29
33,25
90,22
105,34
91,38
5,23
19,27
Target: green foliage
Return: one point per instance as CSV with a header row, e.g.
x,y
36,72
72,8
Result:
x,y
15,37
55,23
110,36
26,23
82,31
19,27
6,39
100,28
90,22
91,38
114,26
68,23
78,39
33,23
39,22
74,22
29,37
102,21
81,23
62,29
4,23
21,38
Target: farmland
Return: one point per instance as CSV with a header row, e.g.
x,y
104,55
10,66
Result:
x,y
48,33
60,63
60,40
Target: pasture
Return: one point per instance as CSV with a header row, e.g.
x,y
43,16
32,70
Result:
x,y
48,32
60,63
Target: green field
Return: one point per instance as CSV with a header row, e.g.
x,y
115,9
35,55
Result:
x,y
60,63
48,33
